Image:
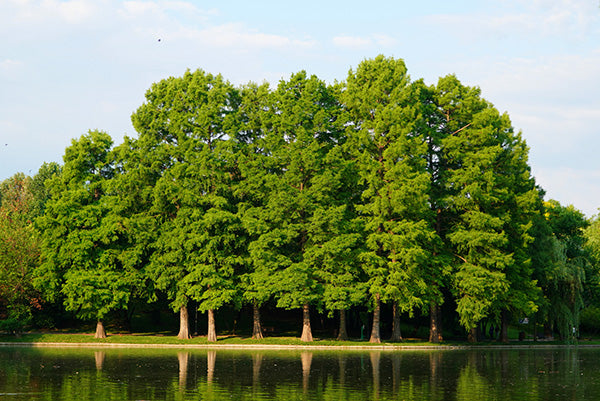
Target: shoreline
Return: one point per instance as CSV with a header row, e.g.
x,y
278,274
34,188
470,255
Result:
x,y
299,347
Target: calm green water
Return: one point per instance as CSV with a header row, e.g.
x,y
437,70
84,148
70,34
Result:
x,y
151,374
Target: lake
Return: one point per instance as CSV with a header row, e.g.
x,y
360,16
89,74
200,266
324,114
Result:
x,y
28,373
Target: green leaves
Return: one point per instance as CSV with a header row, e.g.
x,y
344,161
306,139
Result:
x,y
83,236
306,193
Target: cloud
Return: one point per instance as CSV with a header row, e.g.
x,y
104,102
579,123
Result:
x,y
522,19
10,66
37,11
357,42
237,35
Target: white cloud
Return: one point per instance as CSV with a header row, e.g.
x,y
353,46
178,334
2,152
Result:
x,y
9,65
357,42
523,19
237,35
351,41
36,11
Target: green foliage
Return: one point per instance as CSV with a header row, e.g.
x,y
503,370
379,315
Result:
x,y
20,202
82,236
390,151
491,200
184,126
590,320
377,188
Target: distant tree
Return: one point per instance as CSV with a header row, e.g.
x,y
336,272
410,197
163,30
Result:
x,y
565,278
19,252
592,251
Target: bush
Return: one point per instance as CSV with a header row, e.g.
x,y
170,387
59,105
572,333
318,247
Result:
x,y
19,316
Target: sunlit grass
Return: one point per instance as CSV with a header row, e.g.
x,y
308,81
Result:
x,y
170,339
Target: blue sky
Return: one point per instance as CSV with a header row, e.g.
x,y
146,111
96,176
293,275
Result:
x,y
70,66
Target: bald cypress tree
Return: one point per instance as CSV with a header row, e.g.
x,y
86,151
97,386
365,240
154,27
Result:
x,y
184,131
491,200
83,236
387,125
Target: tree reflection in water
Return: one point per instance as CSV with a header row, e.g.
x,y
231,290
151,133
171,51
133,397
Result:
x,y
150,374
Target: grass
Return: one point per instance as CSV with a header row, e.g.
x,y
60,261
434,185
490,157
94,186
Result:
x,y
169,339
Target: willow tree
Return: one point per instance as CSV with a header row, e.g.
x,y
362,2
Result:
x,y
184,130
386,125
491,200
83,238
565,277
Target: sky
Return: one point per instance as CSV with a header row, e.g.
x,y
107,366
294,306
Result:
x,y
70,66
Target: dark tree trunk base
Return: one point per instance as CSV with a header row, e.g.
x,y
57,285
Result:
x,y
343,334
396,332
257,333
435,326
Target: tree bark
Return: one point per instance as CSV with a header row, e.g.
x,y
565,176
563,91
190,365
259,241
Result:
x,y
343,334
504,326
257,333
306,331
435,323
100,332
472,335
184,324
212,331
396,332
375,336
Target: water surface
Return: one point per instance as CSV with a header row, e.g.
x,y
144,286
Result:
x,y
167,374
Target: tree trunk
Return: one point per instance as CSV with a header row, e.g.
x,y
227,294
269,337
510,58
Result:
x,y
257,333
212,331
396,333
343,334
100,332
306,330
435,323
375,337
504,326
184,324
472,335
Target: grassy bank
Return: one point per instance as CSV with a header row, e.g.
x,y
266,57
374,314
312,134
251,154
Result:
x,y
164,339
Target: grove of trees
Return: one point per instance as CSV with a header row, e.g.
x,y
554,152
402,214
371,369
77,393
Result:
x,y
378,190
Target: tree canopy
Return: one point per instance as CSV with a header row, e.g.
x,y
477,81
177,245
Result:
x,y
377,190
